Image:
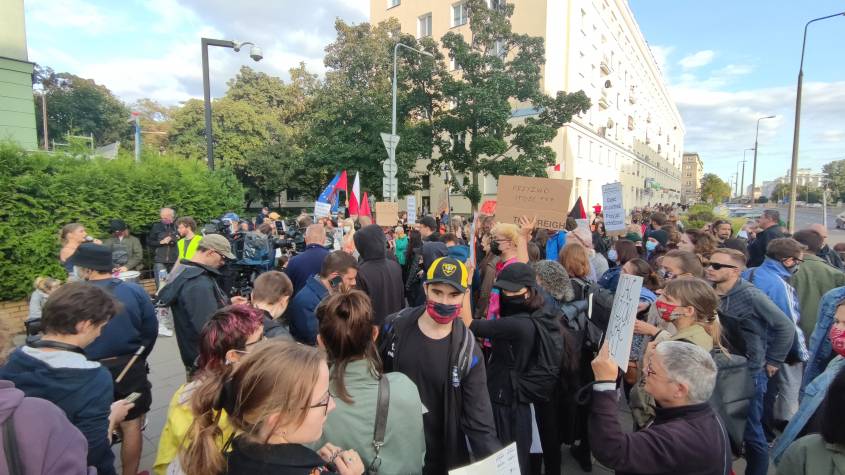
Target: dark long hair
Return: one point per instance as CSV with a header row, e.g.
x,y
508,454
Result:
x,y
833,416
346,331
414,242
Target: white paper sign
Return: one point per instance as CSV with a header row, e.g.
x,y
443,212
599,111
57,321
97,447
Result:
x,y
321,210
503,462
620,329
412,209
613,208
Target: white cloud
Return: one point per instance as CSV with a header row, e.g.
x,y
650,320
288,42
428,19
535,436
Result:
x,y
661,56
697,60
832,136
80,14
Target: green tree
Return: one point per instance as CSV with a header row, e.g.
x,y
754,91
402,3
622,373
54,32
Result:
x,y
80,106
353,107
499,70
714,189
835,172
805,193
156,120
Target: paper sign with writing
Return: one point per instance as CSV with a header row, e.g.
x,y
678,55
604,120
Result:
x,y
613,208
547,199
620,329
412,209
387,213
321,210
503,462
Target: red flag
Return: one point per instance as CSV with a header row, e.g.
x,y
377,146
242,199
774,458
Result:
x,y
365,206
578,210
557,167
341,182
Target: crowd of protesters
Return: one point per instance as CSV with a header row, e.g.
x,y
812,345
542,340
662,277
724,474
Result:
x,y
423,347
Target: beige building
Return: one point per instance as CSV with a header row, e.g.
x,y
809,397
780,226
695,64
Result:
x,y
17,110
692,171
632,134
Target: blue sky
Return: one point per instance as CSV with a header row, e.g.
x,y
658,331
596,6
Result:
x,y
726,62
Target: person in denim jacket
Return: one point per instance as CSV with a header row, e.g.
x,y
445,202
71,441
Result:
x,y
819,347
813,393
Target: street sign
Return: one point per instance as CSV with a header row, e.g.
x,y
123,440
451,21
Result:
x,y
389,188
389,168
390,142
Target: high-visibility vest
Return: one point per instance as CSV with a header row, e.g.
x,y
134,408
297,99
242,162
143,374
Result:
x,y
193,244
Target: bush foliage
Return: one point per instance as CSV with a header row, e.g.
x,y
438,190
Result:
x,y
39,193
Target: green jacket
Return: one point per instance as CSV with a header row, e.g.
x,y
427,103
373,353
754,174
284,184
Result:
x,y
350,426
814,278
811,455
133,248
401,250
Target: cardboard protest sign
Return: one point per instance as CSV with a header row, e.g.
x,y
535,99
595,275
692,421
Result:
x,y
620,329
503,462
387,213
412,209
547,199
613,208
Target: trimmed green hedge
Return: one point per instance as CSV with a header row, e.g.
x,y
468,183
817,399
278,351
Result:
x,y
39,193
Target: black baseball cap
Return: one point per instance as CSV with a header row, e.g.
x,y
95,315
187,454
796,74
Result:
x,y
92,256
428,222
515,277
447,270
117,225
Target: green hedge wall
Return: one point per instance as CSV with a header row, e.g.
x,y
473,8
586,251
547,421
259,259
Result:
x,y
39,193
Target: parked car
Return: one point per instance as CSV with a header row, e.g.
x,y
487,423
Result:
x,y
840,221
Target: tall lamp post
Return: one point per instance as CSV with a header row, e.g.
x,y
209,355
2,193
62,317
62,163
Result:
x,y
754,167
254,53
793,173
742,186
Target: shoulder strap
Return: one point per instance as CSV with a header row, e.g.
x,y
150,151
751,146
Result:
x,y
10,447
381,421
751,275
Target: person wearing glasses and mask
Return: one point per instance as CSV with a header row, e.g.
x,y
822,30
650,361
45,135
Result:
x,y
756,328
229,335
193,294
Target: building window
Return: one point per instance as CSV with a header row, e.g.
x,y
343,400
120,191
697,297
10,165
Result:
x,y
459,14
424,26
426,182
393,3
580,149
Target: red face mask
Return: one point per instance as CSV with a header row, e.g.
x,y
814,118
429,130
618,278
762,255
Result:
x,y
666,310
837,340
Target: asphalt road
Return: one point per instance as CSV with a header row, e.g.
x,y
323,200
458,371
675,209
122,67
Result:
x,y
807,216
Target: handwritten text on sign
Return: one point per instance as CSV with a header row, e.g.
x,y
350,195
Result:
x,y
620,329
545,198
613,208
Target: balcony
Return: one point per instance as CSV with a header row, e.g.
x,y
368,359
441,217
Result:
x,y
605,66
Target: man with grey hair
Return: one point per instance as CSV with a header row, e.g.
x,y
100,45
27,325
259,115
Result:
x,y
307,263
769,225
162,240
686,436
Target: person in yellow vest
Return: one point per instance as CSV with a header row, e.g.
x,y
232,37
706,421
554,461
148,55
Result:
x,y
186,226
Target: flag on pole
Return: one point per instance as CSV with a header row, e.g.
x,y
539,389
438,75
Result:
x,y
578,210
327,196
557,167
365,206
355,196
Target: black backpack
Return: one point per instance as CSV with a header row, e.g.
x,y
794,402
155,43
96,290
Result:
x,y
538,379
732,395
256,249
599,302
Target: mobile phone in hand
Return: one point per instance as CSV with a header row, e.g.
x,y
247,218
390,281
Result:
x,y
132,397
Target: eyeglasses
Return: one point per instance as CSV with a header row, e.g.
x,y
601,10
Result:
x,y
717,266
246,347
324,403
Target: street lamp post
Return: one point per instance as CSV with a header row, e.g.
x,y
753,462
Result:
x,y
754,167
254,53
391,151
793,174
742,186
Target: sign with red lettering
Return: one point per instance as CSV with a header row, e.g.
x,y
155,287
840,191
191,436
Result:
x,y
546,199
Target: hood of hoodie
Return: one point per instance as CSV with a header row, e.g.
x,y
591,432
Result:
x,y
10,398
431,251
740,286
776,267
371,243
61,374
187,271
459,252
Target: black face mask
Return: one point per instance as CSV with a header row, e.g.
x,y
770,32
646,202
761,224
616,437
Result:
x,y
512,304
494,248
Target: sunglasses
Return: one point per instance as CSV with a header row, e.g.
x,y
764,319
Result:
x,y
717,266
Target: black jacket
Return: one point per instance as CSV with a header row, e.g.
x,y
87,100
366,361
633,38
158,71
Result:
x,y
193,295
378,276
468,414
163,253
247,458
757,248
513,339
831,257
